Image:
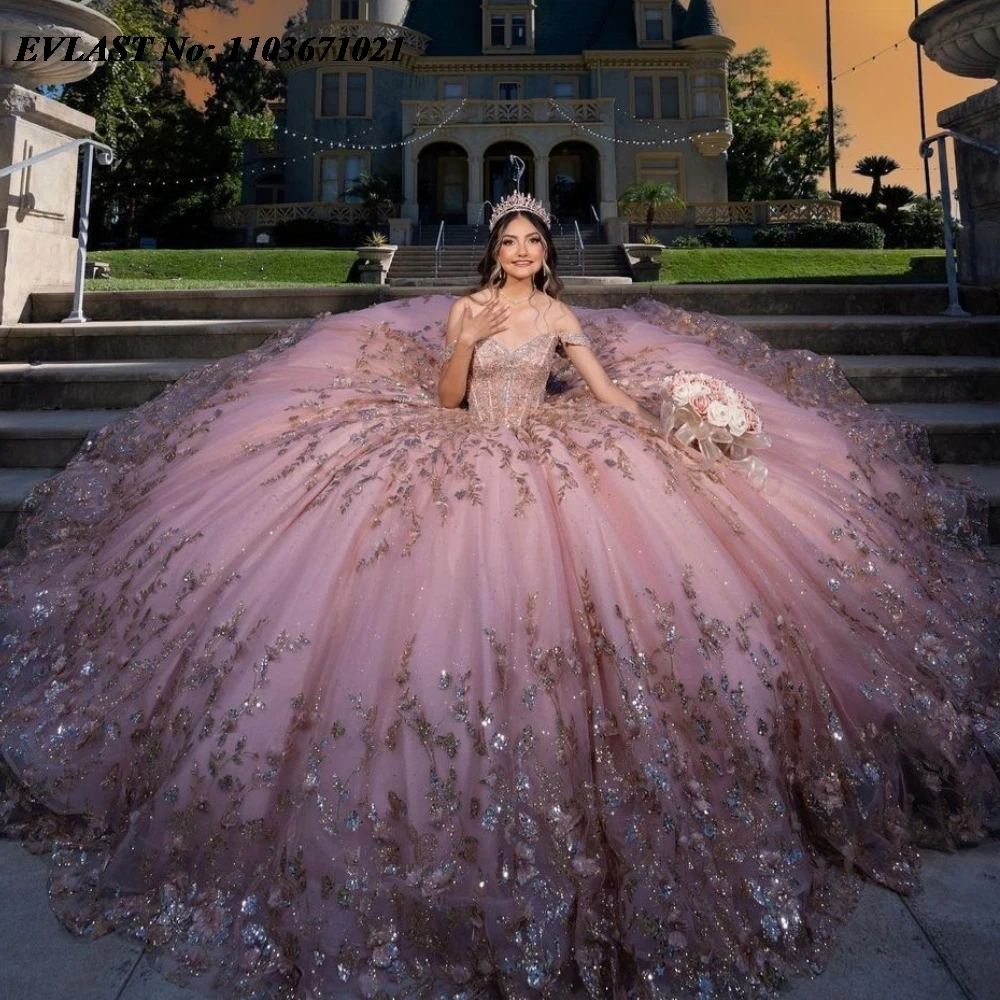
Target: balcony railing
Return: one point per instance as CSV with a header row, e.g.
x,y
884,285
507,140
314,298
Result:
x,y
538,111
734,213
267,216
739,213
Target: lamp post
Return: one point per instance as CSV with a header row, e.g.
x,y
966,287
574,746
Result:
x,y
923,106
830,111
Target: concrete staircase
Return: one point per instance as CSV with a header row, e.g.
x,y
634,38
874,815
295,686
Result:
x,y
464,246
60,382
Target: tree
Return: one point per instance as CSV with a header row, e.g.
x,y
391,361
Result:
x,y
375,192
780,147
240,86
896,197
875,167
652,195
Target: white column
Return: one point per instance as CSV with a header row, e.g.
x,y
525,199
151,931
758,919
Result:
x,y
475,203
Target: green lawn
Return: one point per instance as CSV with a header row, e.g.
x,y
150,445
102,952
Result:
x,y
221,268
760,265
150,269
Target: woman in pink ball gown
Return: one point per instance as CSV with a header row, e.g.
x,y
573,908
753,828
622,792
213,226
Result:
x,y
350,690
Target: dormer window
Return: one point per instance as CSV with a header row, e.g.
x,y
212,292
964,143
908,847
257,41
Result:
x,y
508,28
652,19
652,22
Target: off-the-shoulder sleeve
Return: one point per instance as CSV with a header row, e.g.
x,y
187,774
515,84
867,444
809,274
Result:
x,y
575,338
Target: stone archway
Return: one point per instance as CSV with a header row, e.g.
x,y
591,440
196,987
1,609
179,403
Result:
x,y
574,181
497,178
442,183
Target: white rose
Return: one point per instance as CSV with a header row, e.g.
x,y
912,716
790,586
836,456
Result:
x,y
738,422
718,413
681,393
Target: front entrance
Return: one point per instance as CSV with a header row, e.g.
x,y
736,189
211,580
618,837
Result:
x,y
498,174
574,181
442,183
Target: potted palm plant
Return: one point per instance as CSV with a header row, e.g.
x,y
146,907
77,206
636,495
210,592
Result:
x,y
376,252
374,257
644,257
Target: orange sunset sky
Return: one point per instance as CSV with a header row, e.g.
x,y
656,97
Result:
x,y
879,97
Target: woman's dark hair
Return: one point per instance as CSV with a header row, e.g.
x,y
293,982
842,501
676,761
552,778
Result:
x,y
492,274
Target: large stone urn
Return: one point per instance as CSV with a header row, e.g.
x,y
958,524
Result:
x,y
37,247
963,37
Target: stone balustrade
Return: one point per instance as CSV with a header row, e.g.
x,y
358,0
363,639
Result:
x,y
536,111
740,213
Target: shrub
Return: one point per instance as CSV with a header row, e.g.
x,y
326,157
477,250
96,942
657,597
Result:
x,y
718,236
822,235
305,233
687,243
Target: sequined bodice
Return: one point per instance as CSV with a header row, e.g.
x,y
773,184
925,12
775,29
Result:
x,y
506,385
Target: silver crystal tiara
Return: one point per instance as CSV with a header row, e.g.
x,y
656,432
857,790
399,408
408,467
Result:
x,y
518,202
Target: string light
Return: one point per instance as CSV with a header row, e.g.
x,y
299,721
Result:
x,y
864,62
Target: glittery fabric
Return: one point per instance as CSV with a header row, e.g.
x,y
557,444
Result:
x,y
325,690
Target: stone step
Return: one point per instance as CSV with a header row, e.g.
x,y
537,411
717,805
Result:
x,y
101,385
986,479
960,433
47,438
792,302
15,485
133,340
867,335
213,338
923,379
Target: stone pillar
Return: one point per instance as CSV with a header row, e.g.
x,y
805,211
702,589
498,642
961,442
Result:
x,y
978,175
37,246
608,207
474,206
410,209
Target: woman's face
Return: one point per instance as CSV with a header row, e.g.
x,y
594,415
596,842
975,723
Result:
x,y
521,250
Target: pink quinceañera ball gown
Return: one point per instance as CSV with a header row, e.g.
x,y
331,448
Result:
x,y
327,691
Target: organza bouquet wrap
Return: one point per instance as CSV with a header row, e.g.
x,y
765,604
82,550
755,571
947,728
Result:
x,y
715,419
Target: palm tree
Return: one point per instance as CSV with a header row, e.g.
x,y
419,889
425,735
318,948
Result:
x,y
875,167
374,192
896,196
651,195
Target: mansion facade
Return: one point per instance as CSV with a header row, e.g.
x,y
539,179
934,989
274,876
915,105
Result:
x,y
591,96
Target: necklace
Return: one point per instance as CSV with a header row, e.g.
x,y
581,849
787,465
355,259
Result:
x,y
516,302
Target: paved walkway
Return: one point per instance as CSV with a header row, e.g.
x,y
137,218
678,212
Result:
x,y
943,943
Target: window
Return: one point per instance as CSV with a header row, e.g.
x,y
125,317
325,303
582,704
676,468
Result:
x,y
453,90
508,90
337,172
498,30
656,97
345,94
350,10
707,96
652,22
658,168
504,28
518,29
330,99
563,89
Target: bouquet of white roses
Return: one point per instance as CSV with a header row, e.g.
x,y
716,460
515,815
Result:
x,y
715,419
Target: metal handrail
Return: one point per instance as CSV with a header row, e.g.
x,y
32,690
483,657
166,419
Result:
x,y
927,151
105,157
581,251
438,248
593,212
